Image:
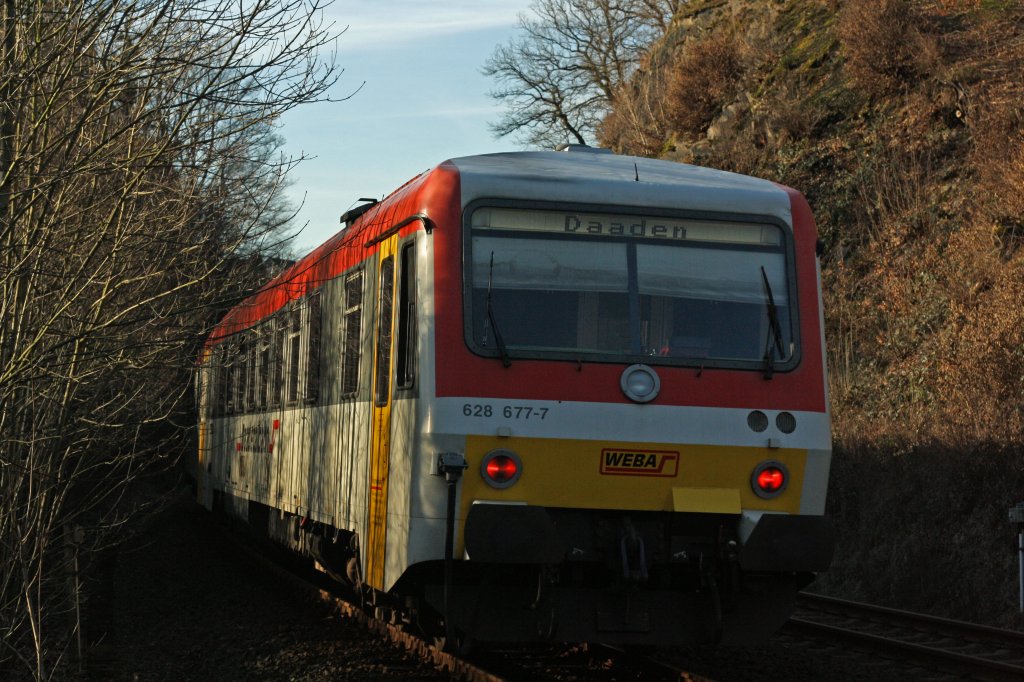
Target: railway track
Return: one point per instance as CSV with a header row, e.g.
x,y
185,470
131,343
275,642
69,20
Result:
x,y
315,586
939,644
556,663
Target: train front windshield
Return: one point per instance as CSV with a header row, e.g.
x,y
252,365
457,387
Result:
x,y
631,288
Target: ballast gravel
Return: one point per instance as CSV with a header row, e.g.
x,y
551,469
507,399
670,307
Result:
x,y
186,606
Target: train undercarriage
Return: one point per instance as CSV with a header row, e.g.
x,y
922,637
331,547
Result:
x,y
540,575
652,578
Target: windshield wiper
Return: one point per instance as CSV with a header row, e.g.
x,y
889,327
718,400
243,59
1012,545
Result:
x,y
774,340
505,361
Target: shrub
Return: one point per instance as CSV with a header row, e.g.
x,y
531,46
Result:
x,y
887,45
702,81
635,123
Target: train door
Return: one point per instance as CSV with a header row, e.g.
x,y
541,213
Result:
x,y
205,383
380,436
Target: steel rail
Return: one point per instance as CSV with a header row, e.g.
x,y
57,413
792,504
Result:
x,y
945,654
990,633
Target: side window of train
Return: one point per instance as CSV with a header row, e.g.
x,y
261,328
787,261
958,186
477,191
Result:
x,y
382,387
228,376
233,371
237,376
292,354
251,375
216,385
241,369
353,318
405,358
266,347
313,350
277,379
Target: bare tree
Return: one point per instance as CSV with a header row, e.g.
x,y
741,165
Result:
x,y
561,75
138,160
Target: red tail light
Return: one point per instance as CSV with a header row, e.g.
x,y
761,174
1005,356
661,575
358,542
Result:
x,y
769,479
501,468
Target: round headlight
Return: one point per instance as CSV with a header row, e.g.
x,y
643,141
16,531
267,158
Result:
x,y
757,421
640,383
786,422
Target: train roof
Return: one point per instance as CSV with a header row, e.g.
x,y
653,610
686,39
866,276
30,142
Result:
x,y
594,176
581,175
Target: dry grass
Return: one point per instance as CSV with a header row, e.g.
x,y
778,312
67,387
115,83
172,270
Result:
x,y
996,119
980,367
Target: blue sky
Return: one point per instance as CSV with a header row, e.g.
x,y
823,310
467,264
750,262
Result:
x,y
424,101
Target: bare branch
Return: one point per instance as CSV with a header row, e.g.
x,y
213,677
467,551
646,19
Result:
x,y
140,182
561,76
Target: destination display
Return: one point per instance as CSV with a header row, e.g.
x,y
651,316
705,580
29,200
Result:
x,y
626,226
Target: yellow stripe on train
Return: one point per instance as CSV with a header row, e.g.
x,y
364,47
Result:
x,y
629,475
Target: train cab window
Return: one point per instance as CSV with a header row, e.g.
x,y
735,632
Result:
x,y
352,333
405,348
629,287
382,383
292,354
314,312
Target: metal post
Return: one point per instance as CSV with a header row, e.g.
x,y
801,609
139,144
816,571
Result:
x,y
73,543
1017,518
1020,567
78,615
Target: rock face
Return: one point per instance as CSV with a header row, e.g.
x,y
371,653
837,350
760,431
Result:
x,y
186,608
726,121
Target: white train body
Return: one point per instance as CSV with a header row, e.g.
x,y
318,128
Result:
x,y
658,398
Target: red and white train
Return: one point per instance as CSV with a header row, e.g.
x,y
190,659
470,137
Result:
x,y
541,396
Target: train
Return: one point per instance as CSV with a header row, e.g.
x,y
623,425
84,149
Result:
x,y
540,396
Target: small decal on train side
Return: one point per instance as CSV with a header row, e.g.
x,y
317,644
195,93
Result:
x,y
258,438
659,463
